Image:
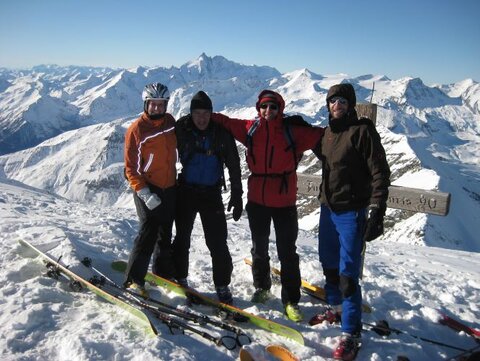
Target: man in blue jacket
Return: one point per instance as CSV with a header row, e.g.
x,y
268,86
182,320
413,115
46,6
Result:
x,y
204,148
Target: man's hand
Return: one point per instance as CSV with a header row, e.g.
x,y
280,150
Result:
x,y
237,203
374,227
150,199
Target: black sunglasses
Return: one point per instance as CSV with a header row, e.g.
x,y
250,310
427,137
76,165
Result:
x,y
269,105
341,100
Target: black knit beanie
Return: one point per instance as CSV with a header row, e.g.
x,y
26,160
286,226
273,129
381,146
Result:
x,y
201,101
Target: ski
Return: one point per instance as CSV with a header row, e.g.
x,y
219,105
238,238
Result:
x,y
310,289
56,268
458,325
245,355
261,322
279,352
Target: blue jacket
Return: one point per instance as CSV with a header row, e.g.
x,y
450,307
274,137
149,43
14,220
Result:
x,y
203,154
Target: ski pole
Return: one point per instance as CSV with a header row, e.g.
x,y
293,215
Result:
x,y
224,340
240,336
198,317
382,328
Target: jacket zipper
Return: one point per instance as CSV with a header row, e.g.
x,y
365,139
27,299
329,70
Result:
x,y
266,161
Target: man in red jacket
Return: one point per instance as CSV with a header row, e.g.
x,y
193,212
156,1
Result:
x,y
272,159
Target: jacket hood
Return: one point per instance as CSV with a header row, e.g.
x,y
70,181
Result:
x,y
346,91
270,95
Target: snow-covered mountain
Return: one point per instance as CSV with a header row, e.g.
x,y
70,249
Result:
x,y
431,134
44,101
61,181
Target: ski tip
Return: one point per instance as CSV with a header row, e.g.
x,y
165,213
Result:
x,y
245,355
281,352
119,265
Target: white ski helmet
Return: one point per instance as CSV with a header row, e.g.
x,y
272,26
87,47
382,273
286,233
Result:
x,y
155,91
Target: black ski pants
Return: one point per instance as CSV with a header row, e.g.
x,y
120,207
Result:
x,y
285,222
207,201
154,237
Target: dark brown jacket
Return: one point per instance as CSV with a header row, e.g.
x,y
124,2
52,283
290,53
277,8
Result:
x,y
355,170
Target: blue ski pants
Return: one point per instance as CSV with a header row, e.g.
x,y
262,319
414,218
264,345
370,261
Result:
x,y
340,244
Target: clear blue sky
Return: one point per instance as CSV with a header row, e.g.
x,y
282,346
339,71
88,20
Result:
x,y
436,40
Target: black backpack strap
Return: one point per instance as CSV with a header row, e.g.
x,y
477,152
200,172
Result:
x,y
290,142
288,121
249,141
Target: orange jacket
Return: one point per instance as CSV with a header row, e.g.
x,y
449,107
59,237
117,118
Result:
x,y
151,152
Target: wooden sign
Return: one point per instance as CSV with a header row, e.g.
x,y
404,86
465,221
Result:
x,y
412,199
367,110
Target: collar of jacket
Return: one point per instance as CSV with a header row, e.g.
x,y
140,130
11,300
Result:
x,y
342,124
187,123
147,118
166,121
277,121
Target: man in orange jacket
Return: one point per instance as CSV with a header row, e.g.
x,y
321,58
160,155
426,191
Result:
x,y
150,157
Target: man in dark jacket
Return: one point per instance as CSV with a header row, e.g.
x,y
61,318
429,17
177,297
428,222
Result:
x,y
272,158
204,147
353,195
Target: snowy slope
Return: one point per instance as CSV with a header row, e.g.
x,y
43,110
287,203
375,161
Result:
x,y
72,192
42,319
85,164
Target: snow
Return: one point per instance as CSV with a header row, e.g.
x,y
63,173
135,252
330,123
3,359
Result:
x,y
423,179
43,319
62,187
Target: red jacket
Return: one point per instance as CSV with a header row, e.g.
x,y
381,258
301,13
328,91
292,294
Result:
x,y
273,178
151,152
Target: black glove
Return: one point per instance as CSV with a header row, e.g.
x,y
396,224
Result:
x,y
237,203
374,226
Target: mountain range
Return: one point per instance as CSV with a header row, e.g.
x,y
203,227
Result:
x,y
62,131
